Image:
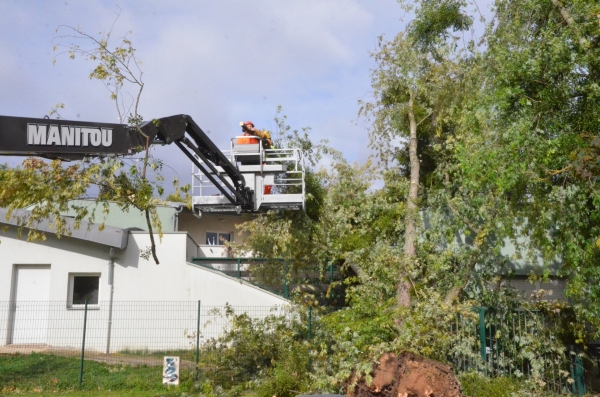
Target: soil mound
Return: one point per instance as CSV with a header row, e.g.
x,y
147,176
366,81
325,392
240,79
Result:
x,y
408,375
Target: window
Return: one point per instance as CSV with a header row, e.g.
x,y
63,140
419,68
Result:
x,y
84,287
214,238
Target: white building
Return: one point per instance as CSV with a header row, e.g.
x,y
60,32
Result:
x,y
43,283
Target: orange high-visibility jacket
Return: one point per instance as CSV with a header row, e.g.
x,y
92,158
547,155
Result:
x,y
247,139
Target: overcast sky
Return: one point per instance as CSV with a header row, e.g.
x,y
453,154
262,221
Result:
x,y
221,62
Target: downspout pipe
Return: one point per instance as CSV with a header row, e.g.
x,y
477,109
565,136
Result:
x,y
111,290
176,218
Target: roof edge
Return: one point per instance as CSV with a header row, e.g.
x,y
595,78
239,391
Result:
x,y
110,236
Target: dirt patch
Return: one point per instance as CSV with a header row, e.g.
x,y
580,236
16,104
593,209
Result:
x,y
408,375
112,358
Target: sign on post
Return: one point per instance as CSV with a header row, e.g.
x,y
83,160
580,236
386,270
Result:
x,y
171,371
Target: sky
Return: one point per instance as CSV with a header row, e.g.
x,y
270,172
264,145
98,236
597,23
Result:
x,y
221,62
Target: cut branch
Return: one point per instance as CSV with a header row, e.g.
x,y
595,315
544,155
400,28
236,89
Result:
x,y
152,243
362,275
470,224
563,12
425,118
457,289
556,172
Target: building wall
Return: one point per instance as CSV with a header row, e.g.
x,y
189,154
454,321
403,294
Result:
x,y
197,227
81,256
134,279
219,223
176,279
552,290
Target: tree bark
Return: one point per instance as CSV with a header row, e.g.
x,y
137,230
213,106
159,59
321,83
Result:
x,y
410,221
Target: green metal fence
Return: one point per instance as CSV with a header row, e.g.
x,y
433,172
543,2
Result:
x,y
276,275
517,344
117,335
233,344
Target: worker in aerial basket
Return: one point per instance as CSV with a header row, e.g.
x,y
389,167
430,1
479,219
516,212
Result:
x,y
265,136
249,130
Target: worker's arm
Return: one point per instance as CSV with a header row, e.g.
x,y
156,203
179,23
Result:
x,y
265,135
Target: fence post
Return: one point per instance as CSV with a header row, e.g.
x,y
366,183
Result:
x,y
577,373
309,321
309,330
239,272
83,343
198,342
482,344
286,290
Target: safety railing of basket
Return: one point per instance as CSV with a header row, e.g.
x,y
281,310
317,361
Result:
x,y
293,176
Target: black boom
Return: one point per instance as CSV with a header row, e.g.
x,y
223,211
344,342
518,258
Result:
x,y
75,140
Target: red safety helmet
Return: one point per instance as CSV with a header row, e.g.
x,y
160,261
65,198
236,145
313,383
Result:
x,y
250,123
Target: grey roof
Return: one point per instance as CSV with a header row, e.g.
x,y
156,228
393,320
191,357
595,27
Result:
x,y
111,236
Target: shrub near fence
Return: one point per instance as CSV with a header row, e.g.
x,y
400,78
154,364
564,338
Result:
x,y
230,345
518,344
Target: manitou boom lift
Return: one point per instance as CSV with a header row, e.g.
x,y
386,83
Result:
x,y
228,187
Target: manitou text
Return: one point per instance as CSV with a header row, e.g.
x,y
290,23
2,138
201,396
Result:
x,y
66,135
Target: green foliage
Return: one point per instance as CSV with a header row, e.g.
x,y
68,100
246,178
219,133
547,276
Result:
x,y
476,385
291,235
347,340
50,189
287,137
426,330
117,68
344,218
289,375
433,20
526,143
250,347
508,148
176,198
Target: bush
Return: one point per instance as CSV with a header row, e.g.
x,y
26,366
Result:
x,y
252,349
476,385
289,376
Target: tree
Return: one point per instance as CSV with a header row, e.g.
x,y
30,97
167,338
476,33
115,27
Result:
x,y
414,87
529,139
50,188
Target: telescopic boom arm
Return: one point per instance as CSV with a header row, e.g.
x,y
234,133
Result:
x,y
75,140
173,129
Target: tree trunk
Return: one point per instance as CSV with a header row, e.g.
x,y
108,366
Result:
x,y
410,221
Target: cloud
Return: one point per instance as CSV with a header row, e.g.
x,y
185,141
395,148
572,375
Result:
x,y
220,62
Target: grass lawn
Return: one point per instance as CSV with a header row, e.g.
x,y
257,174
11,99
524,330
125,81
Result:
x,y
104,393
42,374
